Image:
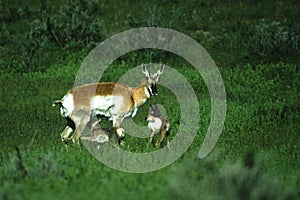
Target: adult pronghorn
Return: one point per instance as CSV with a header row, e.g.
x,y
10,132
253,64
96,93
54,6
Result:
x,y
109,99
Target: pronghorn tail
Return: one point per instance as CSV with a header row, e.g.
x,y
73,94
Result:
x,y
57,103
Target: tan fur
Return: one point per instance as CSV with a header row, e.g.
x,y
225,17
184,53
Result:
x,y
84,94
139,96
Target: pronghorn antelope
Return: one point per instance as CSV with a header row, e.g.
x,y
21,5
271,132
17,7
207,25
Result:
x,y
109,99
158,123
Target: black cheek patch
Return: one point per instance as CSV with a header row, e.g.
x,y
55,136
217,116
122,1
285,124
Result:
x,y
154,89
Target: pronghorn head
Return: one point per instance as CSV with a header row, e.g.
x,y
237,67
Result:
x,y
153,113
152,79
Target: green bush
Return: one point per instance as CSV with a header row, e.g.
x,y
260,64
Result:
x,y
265,42
273,39
179,16
239,180
77,24
75,27
4,34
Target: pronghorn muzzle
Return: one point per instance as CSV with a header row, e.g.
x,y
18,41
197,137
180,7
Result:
x,y
154,91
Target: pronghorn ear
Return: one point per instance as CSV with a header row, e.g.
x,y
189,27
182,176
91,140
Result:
x,y
150,107
144,70
161,70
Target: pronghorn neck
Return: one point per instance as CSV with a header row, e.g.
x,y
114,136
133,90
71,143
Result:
x,y
146,87
141,94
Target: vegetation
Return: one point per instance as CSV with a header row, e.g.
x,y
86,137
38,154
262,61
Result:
x,y
256,47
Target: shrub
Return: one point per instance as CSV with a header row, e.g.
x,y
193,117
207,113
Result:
x,y
4,34
177,17
265,42
77,22
74,28
244,179
273,38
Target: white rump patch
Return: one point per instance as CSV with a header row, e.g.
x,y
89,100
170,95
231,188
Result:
x,y
67,105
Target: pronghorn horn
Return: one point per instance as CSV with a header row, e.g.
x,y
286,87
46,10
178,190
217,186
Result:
x,y
144,70
161,69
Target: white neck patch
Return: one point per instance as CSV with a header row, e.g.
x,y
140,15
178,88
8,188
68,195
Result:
x,y
146,90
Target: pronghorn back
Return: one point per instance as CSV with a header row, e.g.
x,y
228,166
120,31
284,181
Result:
x,y
83,94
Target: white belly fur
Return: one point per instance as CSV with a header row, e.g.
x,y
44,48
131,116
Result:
x,y
155,125
106,105
99,105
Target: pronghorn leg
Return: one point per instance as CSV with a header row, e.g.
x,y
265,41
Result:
x,y
151,136
70,127
117,120
82,124
168,144
96,123
65,134
116,124
162,136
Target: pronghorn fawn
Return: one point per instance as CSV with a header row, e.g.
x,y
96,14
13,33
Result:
x,y
158,123
114,101
99,136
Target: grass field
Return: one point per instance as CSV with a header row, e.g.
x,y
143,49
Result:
x,y
256,48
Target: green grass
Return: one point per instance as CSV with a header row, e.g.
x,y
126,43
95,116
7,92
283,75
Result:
x,y
256,47
265,126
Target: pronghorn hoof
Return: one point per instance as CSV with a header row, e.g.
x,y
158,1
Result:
x,y
65,140
120,132
122,143
75,140
168,145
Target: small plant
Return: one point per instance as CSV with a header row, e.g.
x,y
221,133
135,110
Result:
x,y
267,41
77,23
244,179
4,34
273,38
75,27
177,17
